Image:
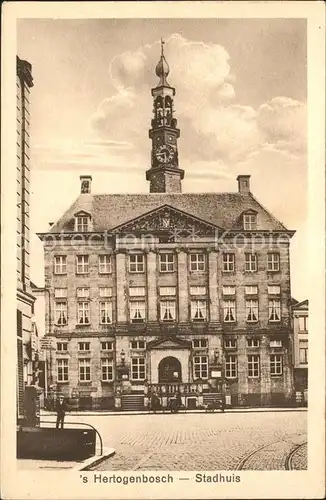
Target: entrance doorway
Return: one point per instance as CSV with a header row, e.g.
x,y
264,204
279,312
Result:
x,y
169,370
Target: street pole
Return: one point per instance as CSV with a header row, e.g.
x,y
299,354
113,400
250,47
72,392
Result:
x,y
46,374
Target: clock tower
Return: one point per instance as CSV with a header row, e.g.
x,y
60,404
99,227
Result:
x,y
164,175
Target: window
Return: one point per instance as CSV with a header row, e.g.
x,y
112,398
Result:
x,y
60,264
106,312
230,366
276,364
250,262
107,346
274,311
228,262
136,263
82,223
197,262
303,323
60,293
275,343
62,370
167,310
84,370
82,264
166,262
62,346
253,366
274,289
104,264
200,367
105,291
138,368
199,343
228,290
251,290
253,342
251,311
303,352
60,313
197,290
83,293
84,346
137,291
137,344
229,311
273,262
198,310
107,370
83,313
249,222
167,290
230,343
137,311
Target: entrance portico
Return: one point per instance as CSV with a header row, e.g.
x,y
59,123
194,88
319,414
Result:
x,y
169,360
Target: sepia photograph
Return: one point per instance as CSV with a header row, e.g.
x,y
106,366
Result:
x,y
162,278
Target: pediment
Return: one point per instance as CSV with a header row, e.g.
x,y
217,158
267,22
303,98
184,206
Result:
x,y
82,213
169,342
169,220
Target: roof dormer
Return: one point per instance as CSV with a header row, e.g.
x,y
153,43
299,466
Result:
x,y
249,220
83,222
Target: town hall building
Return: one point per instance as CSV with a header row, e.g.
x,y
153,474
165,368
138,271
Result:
x,y
168,292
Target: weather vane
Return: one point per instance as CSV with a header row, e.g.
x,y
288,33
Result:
x,y
162,46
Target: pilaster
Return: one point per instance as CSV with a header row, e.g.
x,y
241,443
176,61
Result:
x,y
121,287
182,259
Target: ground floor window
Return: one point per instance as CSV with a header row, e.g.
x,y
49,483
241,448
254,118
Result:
x,y
138,368
84,370
62,370
253,366
107,370
200,367
231,366
276,364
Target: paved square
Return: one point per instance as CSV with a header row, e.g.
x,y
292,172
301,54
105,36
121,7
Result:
x,y
203,441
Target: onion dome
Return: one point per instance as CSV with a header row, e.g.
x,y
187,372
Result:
x,y
162,68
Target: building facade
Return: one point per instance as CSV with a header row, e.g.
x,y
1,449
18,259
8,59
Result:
x,y
169,292
26,333
300,343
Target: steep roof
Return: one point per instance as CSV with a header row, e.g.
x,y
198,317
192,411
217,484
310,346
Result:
x,y
224,210
304,305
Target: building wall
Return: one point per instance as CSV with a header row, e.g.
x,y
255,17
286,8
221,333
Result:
x,y
265,389
25,299
300,340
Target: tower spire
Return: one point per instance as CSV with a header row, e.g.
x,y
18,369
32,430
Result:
x,y
165,176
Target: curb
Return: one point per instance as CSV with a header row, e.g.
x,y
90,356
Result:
x,y
92,461
121,413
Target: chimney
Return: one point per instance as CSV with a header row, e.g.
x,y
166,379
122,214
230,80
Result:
x,y
85,184
243,184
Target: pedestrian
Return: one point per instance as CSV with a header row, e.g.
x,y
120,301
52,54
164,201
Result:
x,y
61,410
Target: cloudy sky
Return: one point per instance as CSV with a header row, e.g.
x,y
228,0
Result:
x,y
240,103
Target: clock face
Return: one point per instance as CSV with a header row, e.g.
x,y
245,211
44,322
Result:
x,y
164,153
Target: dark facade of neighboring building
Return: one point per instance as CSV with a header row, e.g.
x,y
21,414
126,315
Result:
x,y
169,292
25,298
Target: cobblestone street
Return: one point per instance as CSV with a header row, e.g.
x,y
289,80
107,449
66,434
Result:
x,y
247,441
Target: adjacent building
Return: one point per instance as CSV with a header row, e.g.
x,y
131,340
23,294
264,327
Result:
x,y
169,292
26,334
300,343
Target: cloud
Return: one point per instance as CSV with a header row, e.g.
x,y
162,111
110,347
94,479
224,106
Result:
x,y
213,126
283,122
215,129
